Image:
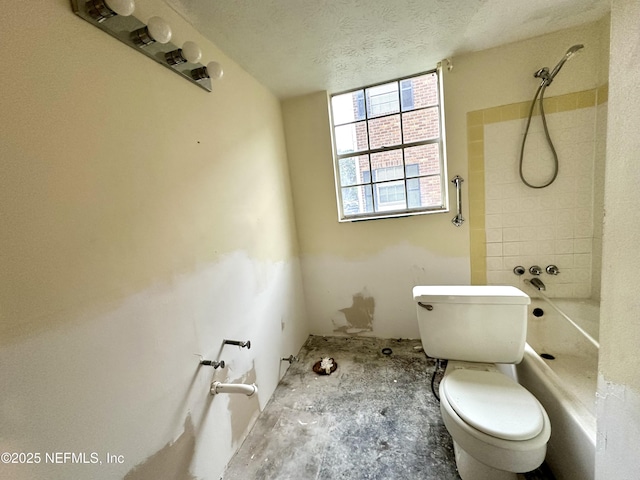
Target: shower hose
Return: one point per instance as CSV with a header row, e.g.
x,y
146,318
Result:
x,y
540,93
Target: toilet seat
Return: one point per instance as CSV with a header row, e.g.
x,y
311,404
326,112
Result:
x,y
494,404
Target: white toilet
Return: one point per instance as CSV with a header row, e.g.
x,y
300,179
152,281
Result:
x,y
498,427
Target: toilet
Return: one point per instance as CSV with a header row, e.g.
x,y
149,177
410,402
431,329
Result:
x,y
498,427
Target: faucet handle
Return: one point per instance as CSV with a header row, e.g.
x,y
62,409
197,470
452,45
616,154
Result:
x,y
552,270
535,270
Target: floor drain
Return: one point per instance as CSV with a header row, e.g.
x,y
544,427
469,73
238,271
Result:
x,y
547,356
387,351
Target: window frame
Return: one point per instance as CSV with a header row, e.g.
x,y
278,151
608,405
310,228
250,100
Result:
x,y
371,183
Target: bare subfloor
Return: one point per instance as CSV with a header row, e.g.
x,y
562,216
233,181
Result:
x,y
373,418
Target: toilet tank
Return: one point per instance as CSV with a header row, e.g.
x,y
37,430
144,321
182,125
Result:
x,y
478,323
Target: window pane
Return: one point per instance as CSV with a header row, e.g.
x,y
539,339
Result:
x,y
348,107
390,196
424,192
419,92
384,132
351,138
357,200
354,170
422,160
420,125
383,100
388,148
387,165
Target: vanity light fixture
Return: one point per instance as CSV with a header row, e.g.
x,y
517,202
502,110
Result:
x,y
190,52
213,70
100,10
152,39
156,30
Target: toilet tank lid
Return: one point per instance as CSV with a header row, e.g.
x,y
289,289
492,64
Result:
x,y
483,294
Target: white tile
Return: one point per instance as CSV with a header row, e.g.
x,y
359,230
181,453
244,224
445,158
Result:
x,y
494,249
494,263
528,248
510,220
546,247
493,206
510,205
546,233
582,275
583,230
495,277
494,235
582,260
563,246
529,218
510,262
582,290
493,221
511,234
511,248
583,215
566,275
564,216
564,291
529,233
564,231
563,261
582,245
493,192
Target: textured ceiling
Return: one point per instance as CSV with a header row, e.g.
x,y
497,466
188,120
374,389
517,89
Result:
x,y
296,47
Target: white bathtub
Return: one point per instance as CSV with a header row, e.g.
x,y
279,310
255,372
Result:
x,y
566,386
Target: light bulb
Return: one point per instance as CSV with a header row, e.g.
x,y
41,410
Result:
x,y
121,7
191,52
214,69
159,30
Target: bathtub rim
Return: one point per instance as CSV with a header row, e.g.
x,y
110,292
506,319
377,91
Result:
x,y
576,409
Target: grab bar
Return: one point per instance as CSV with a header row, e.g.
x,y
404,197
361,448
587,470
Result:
x,y
458,220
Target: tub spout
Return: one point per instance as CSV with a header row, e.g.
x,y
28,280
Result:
x,y
537,283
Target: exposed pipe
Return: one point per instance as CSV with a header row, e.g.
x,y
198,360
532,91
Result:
x,y
248,390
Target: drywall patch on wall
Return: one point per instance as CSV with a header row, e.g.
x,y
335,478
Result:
x,y
148,372
358,318
243,410
389,275
172,461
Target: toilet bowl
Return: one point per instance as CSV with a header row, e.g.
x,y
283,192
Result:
x,y
498,427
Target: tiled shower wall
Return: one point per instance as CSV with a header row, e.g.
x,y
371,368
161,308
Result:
x,y
512,224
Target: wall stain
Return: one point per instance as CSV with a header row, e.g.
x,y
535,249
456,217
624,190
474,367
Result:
x,y
243,410
359,316
172,461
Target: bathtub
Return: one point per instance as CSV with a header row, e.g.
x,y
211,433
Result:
x,y
566,385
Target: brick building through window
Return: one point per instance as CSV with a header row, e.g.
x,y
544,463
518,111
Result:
x,y
388,148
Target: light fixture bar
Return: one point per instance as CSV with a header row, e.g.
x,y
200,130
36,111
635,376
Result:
x,y
122,28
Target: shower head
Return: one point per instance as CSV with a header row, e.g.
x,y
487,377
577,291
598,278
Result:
x,y
546,76
570,53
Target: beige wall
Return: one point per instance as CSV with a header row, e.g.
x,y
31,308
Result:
x,y
379,260
618,383
143,220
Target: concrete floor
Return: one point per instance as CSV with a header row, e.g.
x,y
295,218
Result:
x,y
373,418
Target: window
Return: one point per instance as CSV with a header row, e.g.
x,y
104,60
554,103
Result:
x,y
389,149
